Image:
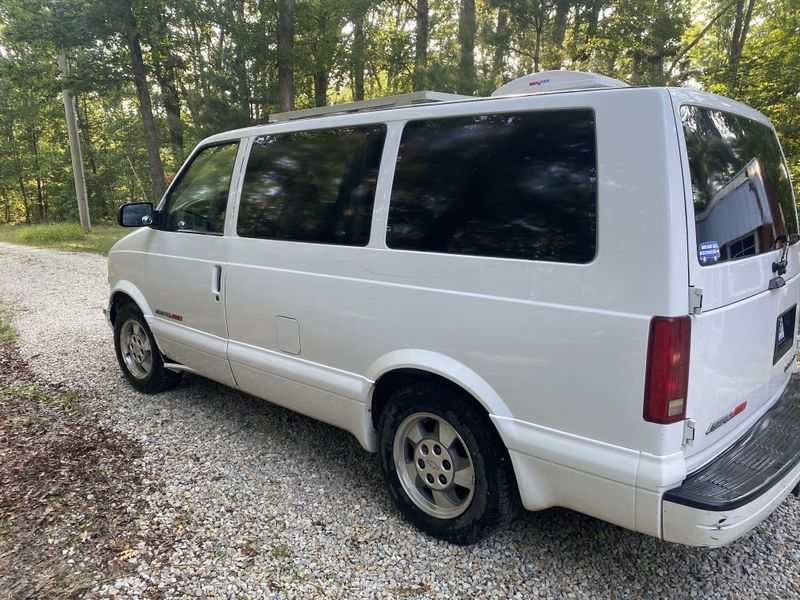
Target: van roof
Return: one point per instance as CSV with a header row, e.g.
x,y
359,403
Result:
x,y
387,109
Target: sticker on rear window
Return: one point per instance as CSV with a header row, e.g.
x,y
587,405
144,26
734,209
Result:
x,y
709,253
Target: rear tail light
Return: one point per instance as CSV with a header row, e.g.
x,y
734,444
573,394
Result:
x,y
667,377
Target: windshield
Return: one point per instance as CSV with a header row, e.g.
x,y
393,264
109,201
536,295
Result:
x,y
743,200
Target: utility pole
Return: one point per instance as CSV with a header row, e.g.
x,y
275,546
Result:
x,y
74,147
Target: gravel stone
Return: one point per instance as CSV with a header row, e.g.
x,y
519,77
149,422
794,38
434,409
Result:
x,y
266,502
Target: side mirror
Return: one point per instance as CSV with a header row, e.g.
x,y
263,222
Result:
x,y
137,214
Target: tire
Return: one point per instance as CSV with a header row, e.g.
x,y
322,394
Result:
x,y
138,355
430,480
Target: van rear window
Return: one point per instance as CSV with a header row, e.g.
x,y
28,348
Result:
x,y
518,185
743,200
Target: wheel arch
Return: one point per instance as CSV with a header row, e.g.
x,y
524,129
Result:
x,y
397,368
123,293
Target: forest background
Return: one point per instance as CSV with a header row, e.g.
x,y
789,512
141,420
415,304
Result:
x,y
152,77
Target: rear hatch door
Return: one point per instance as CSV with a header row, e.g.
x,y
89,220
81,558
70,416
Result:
x,y
742,223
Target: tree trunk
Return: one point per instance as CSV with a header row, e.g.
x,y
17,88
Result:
x,y
321,58
239,63
359,48
539,18
581,48
421,46
40,201
25,203
9,126
466,37
145,106
500,46
286,55
198,60
172,106
219,9
166,67
740,29
685,50
84,128
559,31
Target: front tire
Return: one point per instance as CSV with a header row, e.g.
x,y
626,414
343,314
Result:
x,y
138,355
444,463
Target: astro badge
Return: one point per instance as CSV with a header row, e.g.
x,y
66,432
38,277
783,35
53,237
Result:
x,y
709,253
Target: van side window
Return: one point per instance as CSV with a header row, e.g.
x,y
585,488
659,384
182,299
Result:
x,y
198,200
312,186
506,185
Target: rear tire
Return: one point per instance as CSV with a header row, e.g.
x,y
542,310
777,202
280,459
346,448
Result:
x,y
445,464
138,355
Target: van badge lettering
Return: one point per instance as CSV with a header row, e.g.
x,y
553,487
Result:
x,y
728,417
538,82
169,315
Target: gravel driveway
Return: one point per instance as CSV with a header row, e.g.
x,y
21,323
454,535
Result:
x,y
273,503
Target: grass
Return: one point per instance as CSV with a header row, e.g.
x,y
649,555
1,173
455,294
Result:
x,y
7,332
64,236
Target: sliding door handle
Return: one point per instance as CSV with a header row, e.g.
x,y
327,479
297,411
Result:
x,y
216,281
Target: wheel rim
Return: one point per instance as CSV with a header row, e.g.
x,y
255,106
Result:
x,y
434,465
136,349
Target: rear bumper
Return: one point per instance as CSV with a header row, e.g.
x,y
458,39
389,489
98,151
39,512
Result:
x,y
725,499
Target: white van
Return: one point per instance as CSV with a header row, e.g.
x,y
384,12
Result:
x,y
583,298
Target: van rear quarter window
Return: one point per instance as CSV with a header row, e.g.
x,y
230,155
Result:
x,y
740,185
520,185
312,186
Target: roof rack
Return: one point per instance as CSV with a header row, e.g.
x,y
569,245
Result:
x,y
421,97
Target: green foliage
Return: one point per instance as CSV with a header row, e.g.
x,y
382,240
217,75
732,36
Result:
x,y
64,236
212,66
769,77
52,235
7,332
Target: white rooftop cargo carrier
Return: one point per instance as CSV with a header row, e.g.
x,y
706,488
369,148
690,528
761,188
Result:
x,y
573,293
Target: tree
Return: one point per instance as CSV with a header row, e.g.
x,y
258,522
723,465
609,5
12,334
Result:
x,y
466,38
165,66
131,33
286,55
205,67
740,28
421,45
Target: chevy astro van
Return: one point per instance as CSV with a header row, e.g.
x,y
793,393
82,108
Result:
x,y
573,293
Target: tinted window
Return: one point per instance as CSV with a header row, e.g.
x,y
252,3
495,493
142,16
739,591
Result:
x,y
742,195
512,186
198,200
312,186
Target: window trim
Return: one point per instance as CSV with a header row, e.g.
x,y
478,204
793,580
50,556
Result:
x,y
163,205
379,184
391,184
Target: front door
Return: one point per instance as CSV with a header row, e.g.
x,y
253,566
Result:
x,y
184,271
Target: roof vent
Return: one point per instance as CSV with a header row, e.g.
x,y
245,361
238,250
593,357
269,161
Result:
x,y
557,81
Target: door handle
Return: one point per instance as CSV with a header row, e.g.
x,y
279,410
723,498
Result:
x,y
216,281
